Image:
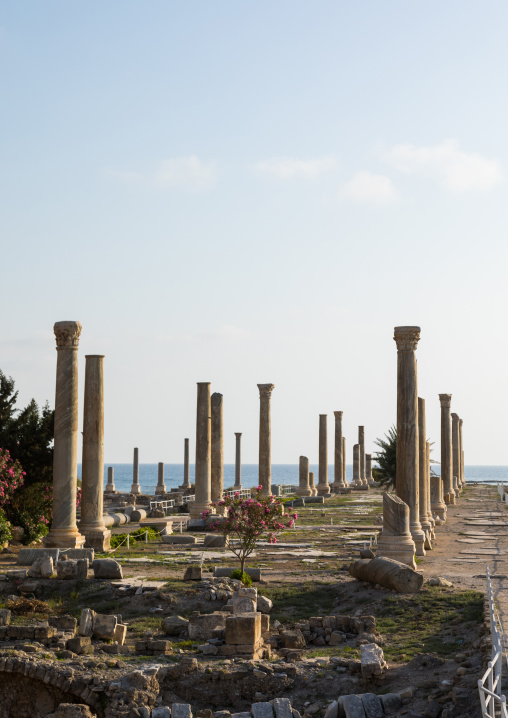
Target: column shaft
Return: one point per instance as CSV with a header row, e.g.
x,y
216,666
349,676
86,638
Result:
x,y
186,474
161,486
356,465
135,488
110,486
361,444
203,488
462,480
368,468
311,484
339,481
456,457
424,508
323,487
238,461
303,486
217,447
265,438
344,460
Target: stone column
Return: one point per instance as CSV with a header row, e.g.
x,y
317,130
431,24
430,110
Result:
x,y
427,488
303,487
368,468
135,487
446,449
161,486
92,524
437,503
311,484
265,438
323,488
395,541
462,480
63,532
186,475
407,480
356,465
455,459
361,444
203,489
339,480
344,460
217,448
424,496
238,461
110,486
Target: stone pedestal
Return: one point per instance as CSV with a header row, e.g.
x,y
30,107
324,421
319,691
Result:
x,y
110,486
303,486
63,532
344,460
265,439
361,444
238,461
368,469
396,541
311,484
356,465
217,452
323,488
203,488
92,525
161,486
407,479
339,480
135,487
186,474
454,490
426,520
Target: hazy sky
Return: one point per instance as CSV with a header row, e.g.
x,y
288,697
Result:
x,y
258,191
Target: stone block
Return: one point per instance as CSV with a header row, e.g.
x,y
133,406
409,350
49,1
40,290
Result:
x,y
227,650
16,574
243,629
72,710
27,556
181,710
104,626
373,661
138,515
215,541
63,623
336,638
243,605
264,604
293,639
221,571
5,616
245,592
351,706
77,553
120,633
161,712
265,623
372,706
179,539
86,622
42,567
282,708
140,647
193,573
174,625
262,710
81,645
201,627
165,647
82,568
316,622
332,710
209,650
44,633
67,570
107,568
391,703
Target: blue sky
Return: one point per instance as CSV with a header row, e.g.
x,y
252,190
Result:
x,y
250,192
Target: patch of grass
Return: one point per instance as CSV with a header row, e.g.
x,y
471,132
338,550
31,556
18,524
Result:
x,y
421,622
311,598
144,623
342,651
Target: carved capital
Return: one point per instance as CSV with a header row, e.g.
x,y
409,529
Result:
x,y
67,334
338,414
406,338
446,400
455,417
216,400
238,434
265,390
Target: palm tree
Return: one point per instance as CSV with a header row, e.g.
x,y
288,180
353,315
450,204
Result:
x,y
386,459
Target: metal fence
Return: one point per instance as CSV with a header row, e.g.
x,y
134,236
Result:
x,y
242,493
492,700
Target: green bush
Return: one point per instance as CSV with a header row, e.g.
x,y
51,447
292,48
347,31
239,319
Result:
x,y
5,529
243,577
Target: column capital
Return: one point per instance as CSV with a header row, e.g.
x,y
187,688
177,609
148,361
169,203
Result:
x,y
338,414
461,421
265,390
446,400
406,338
455,417
216,399
67,334
238,433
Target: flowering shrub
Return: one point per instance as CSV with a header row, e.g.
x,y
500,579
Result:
x,y
5,529
11,477
32,509
248,520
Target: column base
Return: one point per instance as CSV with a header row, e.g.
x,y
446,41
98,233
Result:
x,y
314,491
99,539
400,547
135,489
64,538
303,492
110,489
184,487
323,490
196,509
450,498
418,537
160,490
336,485
237,487
439,511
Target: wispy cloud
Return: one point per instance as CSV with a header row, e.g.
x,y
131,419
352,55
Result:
x,y
283,168
181,173
369,188
448,165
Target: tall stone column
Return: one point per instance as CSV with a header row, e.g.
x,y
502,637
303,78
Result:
x,y
368,468
161,486
311,484
63,532
265,438
407,479
186,475
456,458
356,465
423,476
217,447
238,461
437,503
135,487
427,488
323,488
303,486
92,524
462,480
203,488
339,480
361,444
110,486
344,460
446,449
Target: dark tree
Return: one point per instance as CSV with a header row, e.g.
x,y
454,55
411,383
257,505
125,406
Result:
x,y
386,459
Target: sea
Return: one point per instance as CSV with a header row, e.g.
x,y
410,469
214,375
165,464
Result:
x,y
281,474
